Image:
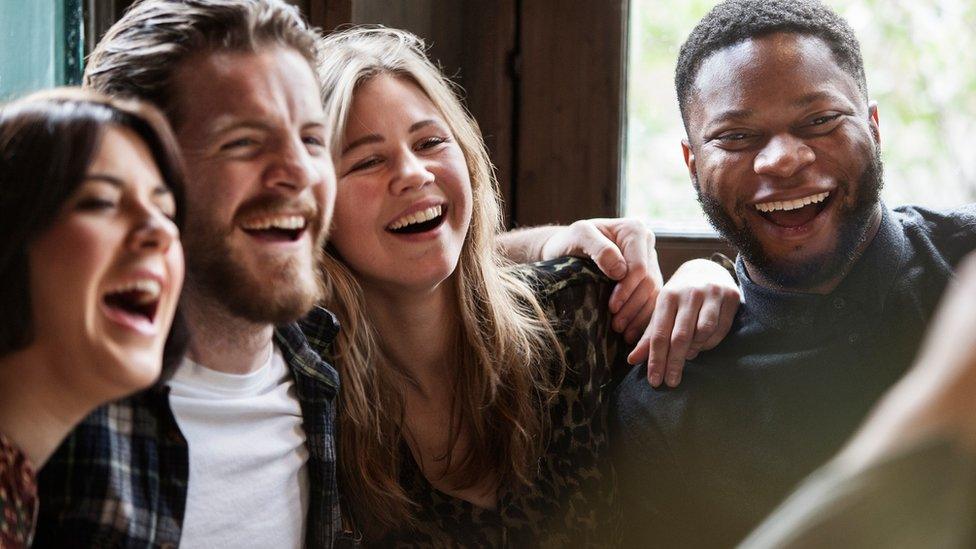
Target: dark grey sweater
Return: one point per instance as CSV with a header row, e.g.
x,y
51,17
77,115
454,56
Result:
x,y
701,465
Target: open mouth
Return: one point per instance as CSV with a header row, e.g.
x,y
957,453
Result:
x,y
138,299
282,228
794,213
419,222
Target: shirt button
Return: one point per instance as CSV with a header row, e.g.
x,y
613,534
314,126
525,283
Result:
x,y
853,338
839,303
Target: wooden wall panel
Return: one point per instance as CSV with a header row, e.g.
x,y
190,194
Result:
x,y
571,110
472,40
487,46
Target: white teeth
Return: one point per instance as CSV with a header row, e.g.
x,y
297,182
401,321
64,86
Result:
x,y
149,288
788,205
417,217
285,222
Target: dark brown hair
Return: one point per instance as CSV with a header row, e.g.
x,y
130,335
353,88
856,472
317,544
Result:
x,y
47,141
139,54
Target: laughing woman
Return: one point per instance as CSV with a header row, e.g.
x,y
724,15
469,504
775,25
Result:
x,y
90,272
472,409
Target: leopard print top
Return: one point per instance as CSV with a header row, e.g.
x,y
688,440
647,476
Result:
x,y
18,497
569,503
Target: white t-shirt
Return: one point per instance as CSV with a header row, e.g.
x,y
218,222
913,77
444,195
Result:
x,y
248,484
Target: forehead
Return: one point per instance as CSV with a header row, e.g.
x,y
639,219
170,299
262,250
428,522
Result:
x,y
275,84
122,152
386,100
772,72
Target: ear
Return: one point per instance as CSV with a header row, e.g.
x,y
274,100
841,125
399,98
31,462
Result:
x,y
873,121
689,159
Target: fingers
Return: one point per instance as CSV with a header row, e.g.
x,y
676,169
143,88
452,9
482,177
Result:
x,y
708,319
636,243
658,339
730,305
685,322
583,238
708,331
639,323
638,298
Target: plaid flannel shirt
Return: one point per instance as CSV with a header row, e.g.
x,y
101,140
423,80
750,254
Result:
x,y
120,478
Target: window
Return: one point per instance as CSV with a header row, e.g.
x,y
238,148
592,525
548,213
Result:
x,y
41,44
920,58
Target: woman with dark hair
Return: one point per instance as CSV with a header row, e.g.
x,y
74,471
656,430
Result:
x,y
90,272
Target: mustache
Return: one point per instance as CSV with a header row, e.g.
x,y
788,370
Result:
x,y
273,205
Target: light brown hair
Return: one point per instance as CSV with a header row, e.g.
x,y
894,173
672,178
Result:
x,y
139,54
506,348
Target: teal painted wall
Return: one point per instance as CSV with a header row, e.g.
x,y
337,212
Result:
x,y
40,45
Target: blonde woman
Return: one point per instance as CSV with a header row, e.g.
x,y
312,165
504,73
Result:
x,y
472,408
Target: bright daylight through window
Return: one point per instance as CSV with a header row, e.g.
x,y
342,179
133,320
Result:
x,y
920,57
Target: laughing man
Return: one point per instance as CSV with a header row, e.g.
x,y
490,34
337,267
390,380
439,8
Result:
x,y
783,148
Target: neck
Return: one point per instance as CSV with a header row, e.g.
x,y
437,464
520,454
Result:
x,y
829,285
38,405
222,341
417,330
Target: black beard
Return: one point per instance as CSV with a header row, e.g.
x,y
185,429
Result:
x,y
855,220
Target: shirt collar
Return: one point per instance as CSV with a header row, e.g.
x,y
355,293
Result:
x,y
304,343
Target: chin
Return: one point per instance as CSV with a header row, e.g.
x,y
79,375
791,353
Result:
x,y
127,370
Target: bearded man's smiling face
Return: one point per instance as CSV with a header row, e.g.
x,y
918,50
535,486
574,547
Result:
x,y
260,181
783,149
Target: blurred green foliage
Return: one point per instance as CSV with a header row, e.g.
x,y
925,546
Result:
x,y
920,58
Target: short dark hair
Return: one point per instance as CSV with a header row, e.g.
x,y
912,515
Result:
x,y
47,142
139,54
735,21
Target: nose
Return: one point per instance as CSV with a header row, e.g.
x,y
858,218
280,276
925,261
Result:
x,y
783,156
410,173
292,168
154,232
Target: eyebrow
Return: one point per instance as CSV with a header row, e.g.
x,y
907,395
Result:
x,y
162,188
729,116
228,124
376,138
105,178
813,97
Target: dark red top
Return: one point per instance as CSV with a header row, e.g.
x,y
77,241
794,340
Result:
x,y
18,496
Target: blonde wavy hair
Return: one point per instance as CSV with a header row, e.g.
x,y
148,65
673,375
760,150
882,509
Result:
x,y
506,346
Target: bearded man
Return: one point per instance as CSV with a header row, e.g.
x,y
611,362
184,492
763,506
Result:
x,y
235,447
783,148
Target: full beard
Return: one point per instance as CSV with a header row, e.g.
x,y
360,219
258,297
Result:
x,y
285,289
854,224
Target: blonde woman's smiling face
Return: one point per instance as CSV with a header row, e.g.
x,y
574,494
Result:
x,y
105,277
403,204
